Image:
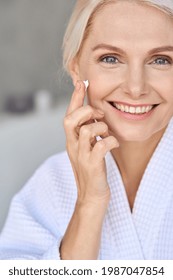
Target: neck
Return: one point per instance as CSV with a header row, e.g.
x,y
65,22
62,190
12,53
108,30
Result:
x,y
131,156
132,159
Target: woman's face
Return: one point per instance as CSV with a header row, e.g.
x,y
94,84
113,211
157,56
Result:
x,y
128,60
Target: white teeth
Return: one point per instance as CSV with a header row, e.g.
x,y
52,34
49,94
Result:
x,y
133,110
118,106
148,108
143,109
138,110
122,108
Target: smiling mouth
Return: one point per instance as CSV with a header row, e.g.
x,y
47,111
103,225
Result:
x,y
135,110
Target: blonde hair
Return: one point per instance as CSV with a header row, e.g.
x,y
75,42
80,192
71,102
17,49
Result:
x,y
81,22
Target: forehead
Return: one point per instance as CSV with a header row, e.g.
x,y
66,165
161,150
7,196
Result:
x,y
131,22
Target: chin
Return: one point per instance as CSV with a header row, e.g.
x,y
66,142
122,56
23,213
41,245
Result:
x,y
140,136
132,136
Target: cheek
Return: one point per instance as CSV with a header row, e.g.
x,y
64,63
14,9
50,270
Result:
x,y
102,80
160,81
167,89
101,84
164,88
98,90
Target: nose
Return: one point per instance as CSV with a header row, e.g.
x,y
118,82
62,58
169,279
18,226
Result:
x,y
135,81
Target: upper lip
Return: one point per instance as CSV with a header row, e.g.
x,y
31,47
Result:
x,y
133,105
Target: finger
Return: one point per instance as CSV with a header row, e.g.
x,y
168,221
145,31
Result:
x,y
77,99
103,146
85,114
76,119
88,134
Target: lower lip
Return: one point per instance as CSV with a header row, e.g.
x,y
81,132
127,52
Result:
x,y
134,117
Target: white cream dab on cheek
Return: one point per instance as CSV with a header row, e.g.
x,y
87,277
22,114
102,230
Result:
x,y
86,83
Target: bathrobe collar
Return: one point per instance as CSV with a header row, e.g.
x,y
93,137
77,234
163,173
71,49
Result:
x,y
134,234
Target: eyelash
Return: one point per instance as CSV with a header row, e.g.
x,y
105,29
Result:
x,y
106,57
166,59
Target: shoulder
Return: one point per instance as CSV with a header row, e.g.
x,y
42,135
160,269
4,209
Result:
x,y
58,173
56,168
51,188
57,164
57,160
46,203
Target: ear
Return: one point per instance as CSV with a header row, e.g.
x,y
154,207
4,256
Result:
x,y
74,70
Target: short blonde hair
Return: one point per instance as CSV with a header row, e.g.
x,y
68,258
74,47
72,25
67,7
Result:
x,y
81,21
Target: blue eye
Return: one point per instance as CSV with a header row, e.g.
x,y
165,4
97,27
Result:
x,y
161,61
109,59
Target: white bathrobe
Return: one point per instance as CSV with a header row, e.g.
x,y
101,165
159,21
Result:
x,y
40,212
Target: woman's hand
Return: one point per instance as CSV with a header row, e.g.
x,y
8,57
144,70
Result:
x,y
83,234
85,153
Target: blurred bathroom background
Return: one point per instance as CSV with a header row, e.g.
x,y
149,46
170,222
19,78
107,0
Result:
x,y
34,90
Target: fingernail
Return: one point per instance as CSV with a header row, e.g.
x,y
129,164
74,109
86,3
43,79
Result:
x,y
78,86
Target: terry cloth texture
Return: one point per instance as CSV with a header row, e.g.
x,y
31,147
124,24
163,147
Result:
x,y
40,212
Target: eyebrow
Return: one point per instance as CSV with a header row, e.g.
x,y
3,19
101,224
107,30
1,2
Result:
x,y
116,49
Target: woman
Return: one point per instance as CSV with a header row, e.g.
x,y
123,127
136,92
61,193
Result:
x,y
111,197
